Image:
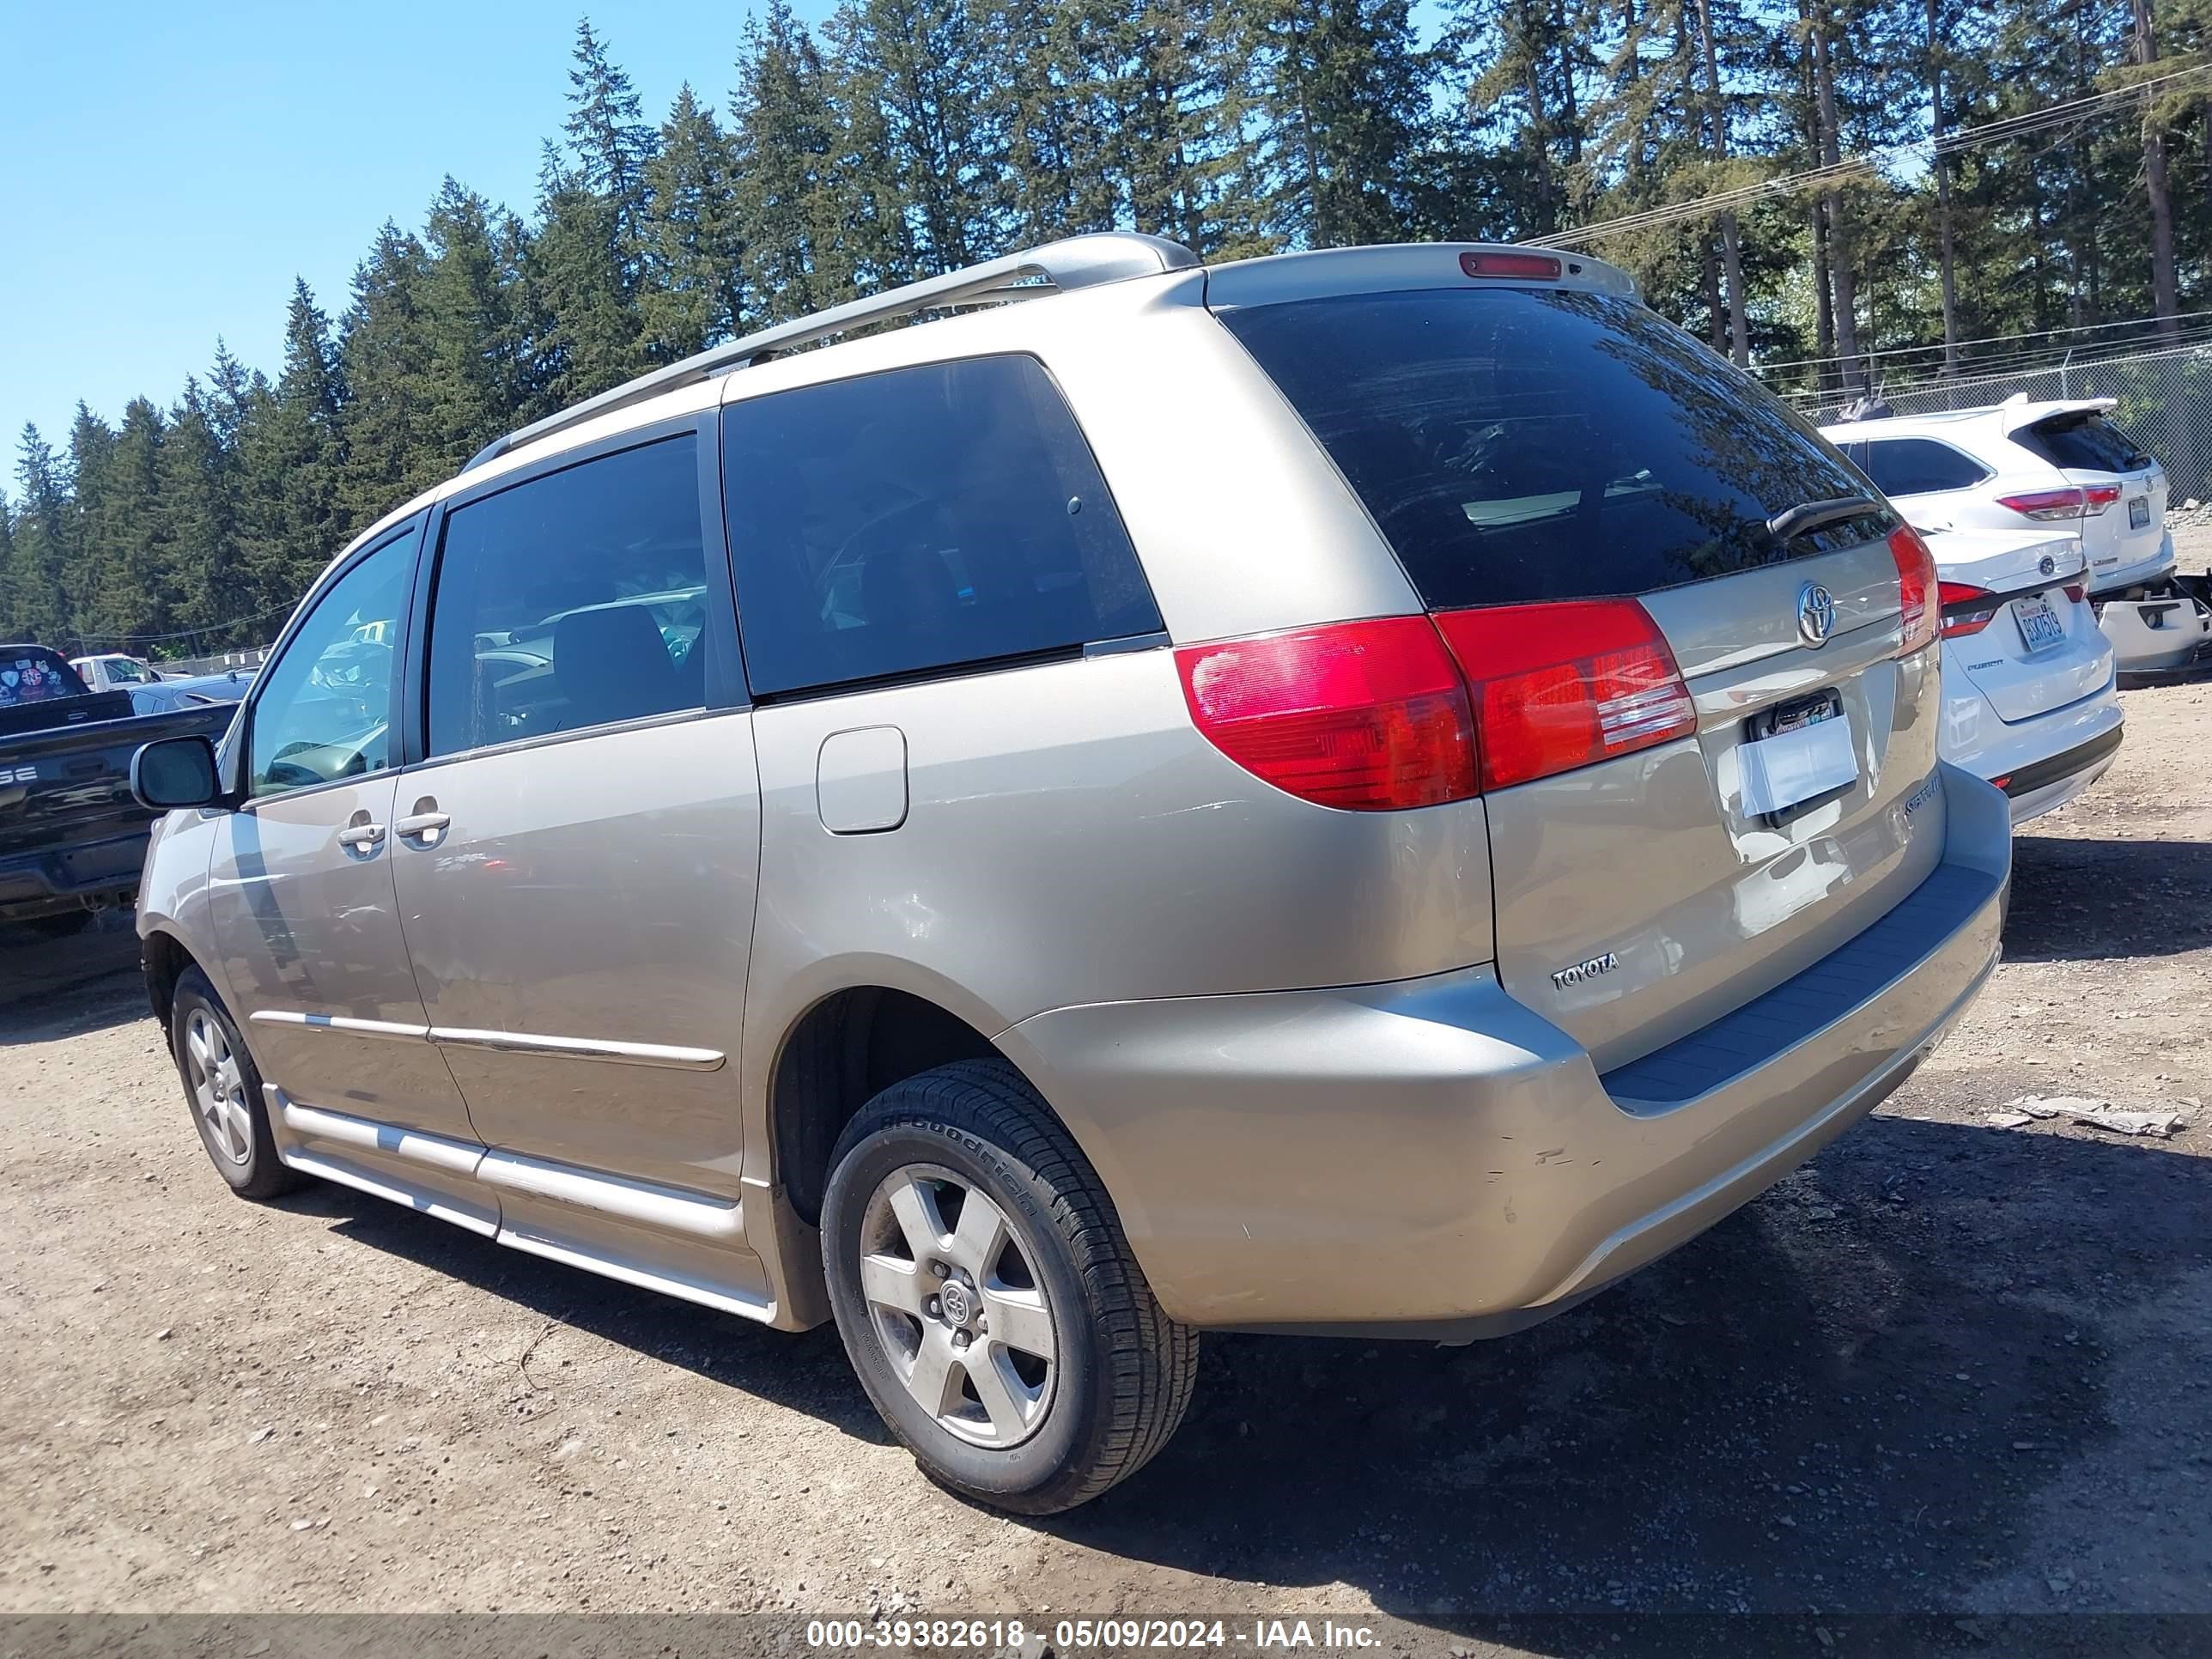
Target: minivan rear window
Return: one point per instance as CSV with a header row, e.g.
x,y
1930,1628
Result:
x,y
2083,443
1521,445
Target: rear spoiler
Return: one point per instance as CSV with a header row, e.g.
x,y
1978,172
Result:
x,y
2015,414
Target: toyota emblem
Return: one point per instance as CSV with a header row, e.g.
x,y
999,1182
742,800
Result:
x,y
1816,614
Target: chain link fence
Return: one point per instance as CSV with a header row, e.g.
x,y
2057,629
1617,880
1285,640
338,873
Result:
x,y
2164,403
221,662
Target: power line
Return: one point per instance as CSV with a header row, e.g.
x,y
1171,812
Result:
x,y
2000,365
2013,126
2118,359
1984,339
185,632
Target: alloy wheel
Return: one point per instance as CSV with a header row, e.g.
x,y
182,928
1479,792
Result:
x,y
218,1087
958,1306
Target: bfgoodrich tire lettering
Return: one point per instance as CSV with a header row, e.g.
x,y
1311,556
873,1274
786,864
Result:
x,y
223,1087
1092,1375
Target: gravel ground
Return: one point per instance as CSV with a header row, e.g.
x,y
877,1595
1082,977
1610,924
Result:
x,y
1951,1368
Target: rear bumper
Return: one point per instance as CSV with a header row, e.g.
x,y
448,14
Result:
x,y
85,871
2041,763
1433,1159
2044,784
2103,584
2162,628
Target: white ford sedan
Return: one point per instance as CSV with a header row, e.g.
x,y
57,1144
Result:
x,y
2029,695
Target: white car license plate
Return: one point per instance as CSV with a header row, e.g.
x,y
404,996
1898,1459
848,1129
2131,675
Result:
x,y
1789,767
2039,626
2138,511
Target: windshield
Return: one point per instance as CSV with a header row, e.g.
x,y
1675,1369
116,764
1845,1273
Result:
x,y
28,674
125,671
1517,445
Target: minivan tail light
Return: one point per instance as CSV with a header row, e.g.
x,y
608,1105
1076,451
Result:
x,y
2046,506
1561,685
1971,615
1369,716
1917,599
2097,497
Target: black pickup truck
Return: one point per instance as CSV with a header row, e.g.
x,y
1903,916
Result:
x,y
72,841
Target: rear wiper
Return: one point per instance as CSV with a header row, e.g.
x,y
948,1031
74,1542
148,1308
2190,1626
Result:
x,y
1795,521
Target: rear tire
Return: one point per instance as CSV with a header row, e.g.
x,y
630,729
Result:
x,y
955,1199
223,1087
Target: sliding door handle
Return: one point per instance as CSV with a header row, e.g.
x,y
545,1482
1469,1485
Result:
x,y
417,826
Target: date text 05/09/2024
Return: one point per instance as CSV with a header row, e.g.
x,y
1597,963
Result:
x,y
1072,1636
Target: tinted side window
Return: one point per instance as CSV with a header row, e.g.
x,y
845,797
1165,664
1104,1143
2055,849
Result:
x,y
572,601
2089,443
1520,445
920,519
1917,466
324,711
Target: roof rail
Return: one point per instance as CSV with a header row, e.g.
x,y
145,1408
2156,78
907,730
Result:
x,y
1110,256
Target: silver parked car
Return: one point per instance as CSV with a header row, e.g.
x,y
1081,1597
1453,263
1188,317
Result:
x,y
1363,792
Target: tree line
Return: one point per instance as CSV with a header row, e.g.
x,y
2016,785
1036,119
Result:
x,y
904,138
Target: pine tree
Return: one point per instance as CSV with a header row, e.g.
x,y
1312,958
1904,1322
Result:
x,y
1045,67
86,551
920,139
694,284
785,142
1518,68
586,325
10,629
1186,169
584,267
391,452
292,467
1341,89
37,561
476,367
611,142
198,519
131,598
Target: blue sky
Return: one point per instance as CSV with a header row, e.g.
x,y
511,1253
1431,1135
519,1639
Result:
x,y
167,173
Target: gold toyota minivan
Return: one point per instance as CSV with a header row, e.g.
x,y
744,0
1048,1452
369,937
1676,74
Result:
x,y
1362,791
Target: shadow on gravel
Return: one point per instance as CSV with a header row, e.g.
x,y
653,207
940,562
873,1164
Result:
x,y
806,1372
2079,900
81,981
1845,1399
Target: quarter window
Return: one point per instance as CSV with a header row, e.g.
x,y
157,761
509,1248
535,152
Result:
x,y
919,519
1920,466
572,601
323,710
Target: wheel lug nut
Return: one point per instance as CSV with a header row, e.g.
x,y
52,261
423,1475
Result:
x,y
959,1339
933,1305
939,1269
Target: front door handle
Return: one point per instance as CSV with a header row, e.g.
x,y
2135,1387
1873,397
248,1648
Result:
x,y
420,825
361,836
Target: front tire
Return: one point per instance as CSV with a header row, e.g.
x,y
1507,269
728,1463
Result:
x,y
223,1086
987,1299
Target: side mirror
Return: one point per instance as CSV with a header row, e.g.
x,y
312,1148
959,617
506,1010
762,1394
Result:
x,y
175,772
